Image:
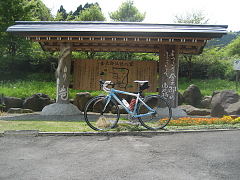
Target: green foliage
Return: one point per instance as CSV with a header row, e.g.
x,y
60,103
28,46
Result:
x,y
224,40
127,12
62,14
40,12
212,63
234,47
93,13
16,53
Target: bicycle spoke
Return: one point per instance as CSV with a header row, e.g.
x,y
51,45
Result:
x,y
100,116
162,114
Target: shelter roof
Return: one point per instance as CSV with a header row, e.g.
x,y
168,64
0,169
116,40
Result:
x,y
117,36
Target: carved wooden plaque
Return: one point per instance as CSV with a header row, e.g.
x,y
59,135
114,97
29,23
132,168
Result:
x,y
123,73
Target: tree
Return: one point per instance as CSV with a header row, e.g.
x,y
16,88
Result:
x,y
93,13
127,12
234,47
11,11
78,11
194,17
40,12
61,14
16,53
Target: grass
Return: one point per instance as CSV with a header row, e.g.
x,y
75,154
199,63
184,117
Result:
x,y
24,89
65,126
44,126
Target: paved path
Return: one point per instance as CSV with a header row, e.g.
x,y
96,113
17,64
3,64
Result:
x,y
181,156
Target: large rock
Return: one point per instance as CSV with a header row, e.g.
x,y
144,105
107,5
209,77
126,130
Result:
x,y
19,111
191,110
206,101
37,101
225,103
180,98
12,102
81,100
192,95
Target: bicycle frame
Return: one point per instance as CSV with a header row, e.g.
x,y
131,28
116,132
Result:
x,y
134,112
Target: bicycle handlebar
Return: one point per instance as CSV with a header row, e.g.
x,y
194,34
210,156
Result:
x,y
104,85
143,85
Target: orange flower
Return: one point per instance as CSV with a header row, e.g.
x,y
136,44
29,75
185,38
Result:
x,y
186,121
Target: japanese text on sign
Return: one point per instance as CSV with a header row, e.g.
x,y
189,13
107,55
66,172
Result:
x,y
121,72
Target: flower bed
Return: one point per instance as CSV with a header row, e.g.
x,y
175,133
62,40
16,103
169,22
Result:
x,y
188,121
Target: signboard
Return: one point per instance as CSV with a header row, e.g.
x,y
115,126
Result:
x,y
236,65
123,73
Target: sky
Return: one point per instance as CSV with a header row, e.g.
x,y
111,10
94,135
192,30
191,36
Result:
x,y
162,12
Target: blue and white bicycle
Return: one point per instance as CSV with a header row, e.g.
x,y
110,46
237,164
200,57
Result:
x,y
103,112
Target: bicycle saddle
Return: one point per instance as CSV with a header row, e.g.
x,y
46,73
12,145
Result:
x,y
140,82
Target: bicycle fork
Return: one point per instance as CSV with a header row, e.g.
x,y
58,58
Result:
x,y
108,100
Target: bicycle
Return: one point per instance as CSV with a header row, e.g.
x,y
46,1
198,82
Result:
x,y
103,112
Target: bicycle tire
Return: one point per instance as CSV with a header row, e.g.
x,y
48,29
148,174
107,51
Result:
x,y
96,118
160,118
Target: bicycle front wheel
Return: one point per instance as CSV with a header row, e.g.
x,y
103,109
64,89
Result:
x,y
162,115
99,115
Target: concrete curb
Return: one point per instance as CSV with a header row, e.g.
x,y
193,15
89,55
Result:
x,y
21,133
132,133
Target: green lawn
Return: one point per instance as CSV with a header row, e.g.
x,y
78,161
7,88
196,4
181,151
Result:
x,y
24,89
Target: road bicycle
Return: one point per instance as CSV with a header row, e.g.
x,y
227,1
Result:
x,y
103,112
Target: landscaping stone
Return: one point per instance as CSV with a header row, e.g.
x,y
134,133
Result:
x,y
186,108
37,101
180,98
19,110
199,112
191,110
192,95
81,100
225,103
178,113
233,109
121,110
12,102
99,105
206,101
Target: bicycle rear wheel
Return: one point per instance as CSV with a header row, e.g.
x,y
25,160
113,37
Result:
x,y
100,116
162,115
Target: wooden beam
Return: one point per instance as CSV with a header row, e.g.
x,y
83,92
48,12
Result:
x,y
122,40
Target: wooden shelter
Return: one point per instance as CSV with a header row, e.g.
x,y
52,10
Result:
x,y
169,40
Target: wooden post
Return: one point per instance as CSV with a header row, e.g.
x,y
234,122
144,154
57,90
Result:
x,y
63,73
168,73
